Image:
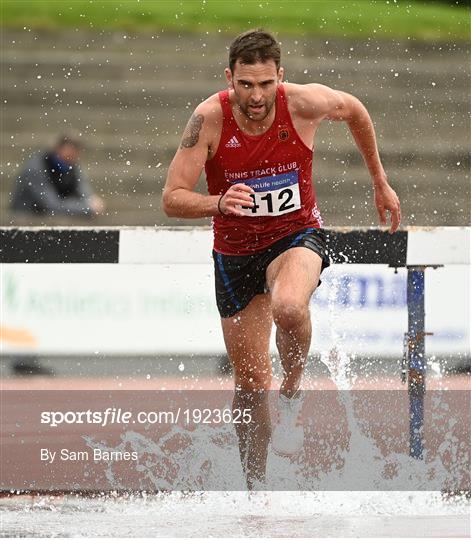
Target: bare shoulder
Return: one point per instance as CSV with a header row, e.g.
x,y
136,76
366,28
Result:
x,y
311,100
204,126
210,111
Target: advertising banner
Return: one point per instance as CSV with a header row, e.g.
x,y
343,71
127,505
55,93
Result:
x,y
170,308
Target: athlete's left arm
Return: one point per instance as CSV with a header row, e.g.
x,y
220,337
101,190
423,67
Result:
x,y
336,105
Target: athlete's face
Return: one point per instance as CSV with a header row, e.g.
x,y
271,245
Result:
x,y
255,87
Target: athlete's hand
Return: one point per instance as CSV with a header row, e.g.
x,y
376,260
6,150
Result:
x,y
236,196
386,200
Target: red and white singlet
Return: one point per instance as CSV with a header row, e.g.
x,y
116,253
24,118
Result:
x,y
278,166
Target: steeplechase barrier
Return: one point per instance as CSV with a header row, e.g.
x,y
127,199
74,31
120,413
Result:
x,y
415,249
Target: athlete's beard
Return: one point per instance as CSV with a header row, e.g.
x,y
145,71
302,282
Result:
x,y
244,107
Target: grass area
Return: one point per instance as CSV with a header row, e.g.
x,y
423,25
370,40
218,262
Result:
x,y
342,18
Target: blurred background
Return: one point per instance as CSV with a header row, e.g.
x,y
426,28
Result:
x,y
127,74
124,77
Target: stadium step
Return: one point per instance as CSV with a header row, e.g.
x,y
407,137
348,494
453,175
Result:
x,y
132,95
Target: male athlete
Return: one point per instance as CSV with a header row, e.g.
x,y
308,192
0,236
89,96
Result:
x,y
255,142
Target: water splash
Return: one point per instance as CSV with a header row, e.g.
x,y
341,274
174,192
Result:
x,y
207,457
364,463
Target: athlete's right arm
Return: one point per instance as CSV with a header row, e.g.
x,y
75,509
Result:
x,y
179,198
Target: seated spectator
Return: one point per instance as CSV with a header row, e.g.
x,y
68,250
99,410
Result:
x,y
53,183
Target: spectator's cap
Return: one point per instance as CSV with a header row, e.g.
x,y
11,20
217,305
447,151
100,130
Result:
x,y
74,138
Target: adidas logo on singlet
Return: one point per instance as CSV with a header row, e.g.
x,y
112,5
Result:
x,y
233,143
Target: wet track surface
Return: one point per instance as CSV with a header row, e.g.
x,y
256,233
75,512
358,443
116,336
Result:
x,y
228,514
232,513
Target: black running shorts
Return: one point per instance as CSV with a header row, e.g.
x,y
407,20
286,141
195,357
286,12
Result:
x,y
241,277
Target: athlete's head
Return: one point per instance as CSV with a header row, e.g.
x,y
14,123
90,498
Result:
x,y
254,72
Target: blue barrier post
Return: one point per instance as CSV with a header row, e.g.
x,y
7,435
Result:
x,y
416,357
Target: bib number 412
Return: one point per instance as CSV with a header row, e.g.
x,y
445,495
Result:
x,y
275,202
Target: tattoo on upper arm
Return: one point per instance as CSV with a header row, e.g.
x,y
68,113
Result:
x,y
192,131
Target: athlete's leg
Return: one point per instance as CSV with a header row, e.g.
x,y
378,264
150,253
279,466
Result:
x,y
292,278
247,338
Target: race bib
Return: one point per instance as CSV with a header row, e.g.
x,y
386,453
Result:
x,y
274,195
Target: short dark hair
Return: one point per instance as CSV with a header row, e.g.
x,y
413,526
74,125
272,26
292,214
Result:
x,y
254,46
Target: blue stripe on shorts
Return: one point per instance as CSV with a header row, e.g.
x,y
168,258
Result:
x,y
301,236
227,282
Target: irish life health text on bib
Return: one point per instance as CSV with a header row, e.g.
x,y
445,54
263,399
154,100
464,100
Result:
x,y
274,195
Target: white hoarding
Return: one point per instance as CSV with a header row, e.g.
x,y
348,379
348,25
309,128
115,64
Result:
x,y
152,309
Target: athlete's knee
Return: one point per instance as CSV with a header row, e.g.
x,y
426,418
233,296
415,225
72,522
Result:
x,y
253,381
252,371
288,314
